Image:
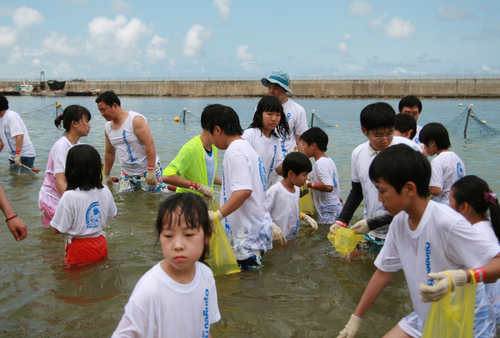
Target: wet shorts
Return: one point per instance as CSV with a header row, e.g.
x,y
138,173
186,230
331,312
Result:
x,y
46,212
86,250
252,263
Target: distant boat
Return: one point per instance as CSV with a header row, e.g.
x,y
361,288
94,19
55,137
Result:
x,y
26,89
56,85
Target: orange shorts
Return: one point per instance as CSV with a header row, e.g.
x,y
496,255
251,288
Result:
x,y
86,250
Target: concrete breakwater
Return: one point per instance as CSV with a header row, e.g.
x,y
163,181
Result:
x,y
350,88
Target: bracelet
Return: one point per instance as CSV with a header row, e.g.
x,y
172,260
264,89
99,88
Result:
x,y
107,174
302,215
151,167
11,217
193,185
312,185
18,152
479,274
342,224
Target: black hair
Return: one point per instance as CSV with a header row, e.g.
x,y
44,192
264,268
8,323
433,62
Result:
x,y
405,122
435,132
109,98
70,114
297,162
471,190
400,164
410,101
270,104
4,103
194,211
379,115
223,117
315,135
83,168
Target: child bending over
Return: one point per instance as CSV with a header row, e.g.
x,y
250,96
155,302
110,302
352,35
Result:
x,y
283,199
177,297
424,239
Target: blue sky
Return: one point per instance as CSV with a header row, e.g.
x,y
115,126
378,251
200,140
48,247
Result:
x,y
235,38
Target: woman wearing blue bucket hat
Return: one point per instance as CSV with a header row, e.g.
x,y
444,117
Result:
x,y
278,85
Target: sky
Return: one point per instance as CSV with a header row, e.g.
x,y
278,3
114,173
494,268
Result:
x,y
88,39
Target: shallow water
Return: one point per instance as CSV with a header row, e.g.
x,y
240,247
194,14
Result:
x,y
305,289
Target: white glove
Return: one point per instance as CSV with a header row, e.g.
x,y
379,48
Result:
x,y
311,222
351,328
206,191
151,177
294,149
219,215
211,216
440,289
361,227
337,225
278,235
307,183
108,180
17,160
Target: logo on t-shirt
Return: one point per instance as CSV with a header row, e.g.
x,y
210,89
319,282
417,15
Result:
x,y
430,281
133,160
262,171
460,170
93,215
206,326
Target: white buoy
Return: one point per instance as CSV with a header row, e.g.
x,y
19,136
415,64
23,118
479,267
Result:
x,y
484,122
460,104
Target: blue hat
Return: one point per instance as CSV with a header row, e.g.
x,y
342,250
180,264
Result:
x,y
280,78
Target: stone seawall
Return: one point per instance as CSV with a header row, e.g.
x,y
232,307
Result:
x,y
431,88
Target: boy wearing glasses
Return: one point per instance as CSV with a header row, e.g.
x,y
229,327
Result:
x,y
377,124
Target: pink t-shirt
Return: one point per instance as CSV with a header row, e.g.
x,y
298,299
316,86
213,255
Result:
x,y
55,165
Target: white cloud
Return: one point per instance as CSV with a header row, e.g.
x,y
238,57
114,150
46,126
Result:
x,y
115,41
120,6
58,44
485,67
18,55
396,29
36,62
193,43
400,29
360,8
242,53
350,68
347,37
399,70
171,62
377,61
8,36
343,46
223,6
458,12
24,17
425,58
156,49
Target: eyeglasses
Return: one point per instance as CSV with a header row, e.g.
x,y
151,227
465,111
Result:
x,y
380,138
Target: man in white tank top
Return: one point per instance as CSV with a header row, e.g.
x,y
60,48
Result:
x,y
128,134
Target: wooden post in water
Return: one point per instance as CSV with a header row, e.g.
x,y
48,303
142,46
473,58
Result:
x,y
184,115
312,118
467,120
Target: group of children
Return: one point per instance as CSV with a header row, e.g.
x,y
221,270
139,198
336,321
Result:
x,y
389,172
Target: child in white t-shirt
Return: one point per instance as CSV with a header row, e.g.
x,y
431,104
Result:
x,y
424,239
324,177
447,167
177,297
84,208
268,126
283,199
243,207
472,197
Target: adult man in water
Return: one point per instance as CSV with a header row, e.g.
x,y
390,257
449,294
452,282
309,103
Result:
x,y
411,105
128,133
14,137
278,85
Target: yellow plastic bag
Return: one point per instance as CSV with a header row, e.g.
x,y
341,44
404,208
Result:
x,y
453,316
306,202
345,240
221,259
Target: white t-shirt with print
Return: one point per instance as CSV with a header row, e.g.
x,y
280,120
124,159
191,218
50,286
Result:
x,y
296,118
284,208
131,151
447,168
161,307
84,213
210,163
249,228
443,240
12,125
361,159
268,150
404,140
325,171
416,138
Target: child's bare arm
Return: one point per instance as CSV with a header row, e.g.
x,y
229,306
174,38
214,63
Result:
x,y
321,187
436,191
235,201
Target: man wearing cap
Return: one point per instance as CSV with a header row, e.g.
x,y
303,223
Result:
x,y
277,85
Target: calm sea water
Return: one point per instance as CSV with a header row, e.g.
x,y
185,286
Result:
x,y
305,289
